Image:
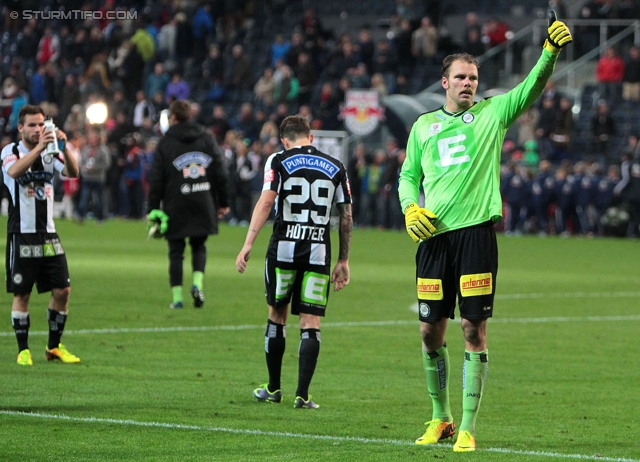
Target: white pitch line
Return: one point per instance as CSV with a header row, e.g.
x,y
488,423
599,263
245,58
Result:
x,y
569,295
144,330
154,330
354,439
414,308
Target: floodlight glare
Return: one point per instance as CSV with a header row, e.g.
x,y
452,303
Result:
x,y
97,113
164,121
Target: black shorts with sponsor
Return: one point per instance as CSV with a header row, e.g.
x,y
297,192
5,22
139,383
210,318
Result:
x,y
460,264
35,258
306,287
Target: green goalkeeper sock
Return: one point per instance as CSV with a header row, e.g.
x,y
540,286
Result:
x,y
476,367
198,279
177,294
436,367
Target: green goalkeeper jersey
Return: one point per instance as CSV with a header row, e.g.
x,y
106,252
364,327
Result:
x,y
459,154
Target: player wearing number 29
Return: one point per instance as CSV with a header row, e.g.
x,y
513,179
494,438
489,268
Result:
x,y
303,184
456,149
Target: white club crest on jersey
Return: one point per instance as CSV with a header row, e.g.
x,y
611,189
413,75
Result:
x,y
435,129
40,193
467,118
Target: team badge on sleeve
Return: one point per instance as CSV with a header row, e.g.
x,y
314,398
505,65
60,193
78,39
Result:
x,y
268,175
10,158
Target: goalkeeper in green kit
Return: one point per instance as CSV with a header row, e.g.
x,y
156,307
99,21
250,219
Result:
x,y
456,149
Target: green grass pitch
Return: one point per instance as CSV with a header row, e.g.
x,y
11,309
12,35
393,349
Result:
x,y
175,385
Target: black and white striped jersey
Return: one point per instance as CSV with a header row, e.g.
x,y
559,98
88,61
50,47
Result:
x,y
31,206
308,183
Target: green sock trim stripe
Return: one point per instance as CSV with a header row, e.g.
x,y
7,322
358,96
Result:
x,y
482,356
433,354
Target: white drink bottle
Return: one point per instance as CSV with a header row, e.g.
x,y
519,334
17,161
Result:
x,y
52,147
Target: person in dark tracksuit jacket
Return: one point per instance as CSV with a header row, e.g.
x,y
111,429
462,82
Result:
x,y
565,201
586,185
542,195
605,197
188,182
516,190
629,190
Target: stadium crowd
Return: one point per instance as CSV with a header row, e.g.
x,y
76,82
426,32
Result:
x,y
213,53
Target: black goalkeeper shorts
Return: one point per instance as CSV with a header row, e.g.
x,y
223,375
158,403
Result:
x,y
463,264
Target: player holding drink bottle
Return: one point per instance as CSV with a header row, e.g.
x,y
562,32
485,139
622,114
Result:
x,y
34,252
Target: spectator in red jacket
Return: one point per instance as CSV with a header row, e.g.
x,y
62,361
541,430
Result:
x,y
48,47
494,32
609,74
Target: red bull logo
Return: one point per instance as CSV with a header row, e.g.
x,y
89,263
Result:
x,y
362,111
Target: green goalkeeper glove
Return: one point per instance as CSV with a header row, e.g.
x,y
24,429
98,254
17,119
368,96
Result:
x,y
419,222
559,35
158,223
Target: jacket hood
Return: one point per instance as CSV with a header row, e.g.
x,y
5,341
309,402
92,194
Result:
x,y
185,131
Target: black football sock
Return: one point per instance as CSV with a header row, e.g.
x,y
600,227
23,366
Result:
x,y
274,345
56,327
308,357
21,323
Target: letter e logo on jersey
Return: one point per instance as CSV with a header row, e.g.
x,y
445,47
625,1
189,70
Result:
x,y
435,129
429,289
476,284
449,150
